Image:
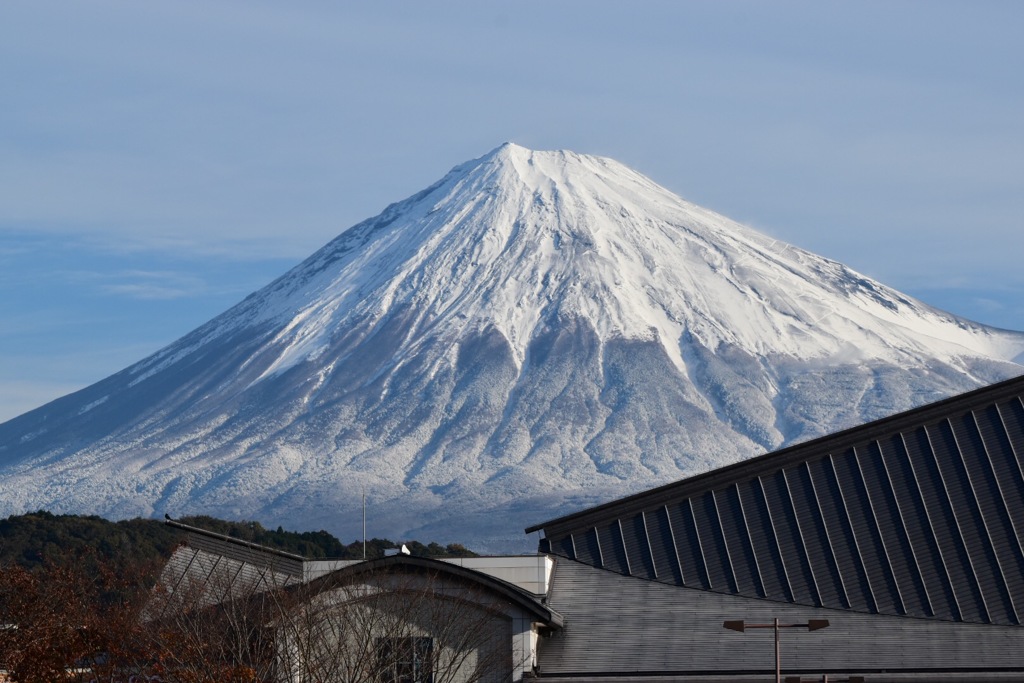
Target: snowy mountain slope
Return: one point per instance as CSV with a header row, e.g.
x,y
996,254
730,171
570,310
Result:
x,y
536,331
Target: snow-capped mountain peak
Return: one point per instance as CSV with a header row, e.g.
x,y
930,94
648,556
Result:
x,y
518,237
534,329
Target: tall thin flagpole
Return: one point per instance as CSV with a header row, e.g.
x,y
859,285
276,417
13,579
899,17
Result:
x,y
364,524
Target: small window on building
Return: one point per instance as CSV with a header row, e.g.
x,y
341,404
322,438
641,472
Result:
x,y
405,660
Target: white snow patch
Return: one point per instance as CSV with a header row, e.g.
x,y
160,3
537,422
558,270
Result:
x,y
89,406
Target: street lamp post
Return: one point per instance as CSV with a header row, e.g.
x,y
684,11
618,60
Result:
x,y
810,625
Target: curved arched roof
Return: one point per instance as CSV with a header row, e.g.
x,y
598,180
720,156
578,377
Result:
x,y
413,564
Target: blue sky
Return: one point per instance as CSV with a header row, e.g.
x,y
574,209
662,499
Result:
x,y
161,160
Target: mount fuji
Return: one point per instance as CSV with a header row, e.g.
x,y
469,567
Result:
x,y
536,332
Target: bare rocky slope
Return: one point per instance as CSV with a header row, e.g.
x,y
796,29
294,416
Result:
x,y
536,332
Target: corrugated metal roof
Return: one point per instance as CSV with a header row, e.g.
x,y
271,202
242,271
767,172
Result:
x,y
240,550
919,514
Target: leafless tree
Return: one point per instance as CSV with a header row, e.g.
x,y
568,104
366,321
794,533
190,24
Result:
x,y
396,626
215,622
230,621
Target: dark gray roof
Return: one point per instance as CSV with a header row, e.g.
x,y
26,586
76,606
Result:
x,y
242,551
919,514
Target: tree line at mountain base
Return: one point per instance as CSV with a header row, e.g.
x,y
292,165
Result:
x,y
35,539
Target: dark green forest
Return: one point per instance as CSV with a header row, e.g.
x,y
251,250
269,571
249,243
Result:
x,y
39,538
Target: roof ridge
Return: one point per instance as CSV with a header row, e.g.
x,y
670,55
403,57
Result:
x,y
231,539
796,453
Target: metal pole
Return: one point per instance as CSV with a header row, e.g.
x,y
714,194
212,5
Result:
x,y
364,524
741,626
778,666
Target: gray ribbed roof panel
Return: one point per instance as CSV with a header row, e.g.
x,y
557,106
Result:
x,y
619,628
920,514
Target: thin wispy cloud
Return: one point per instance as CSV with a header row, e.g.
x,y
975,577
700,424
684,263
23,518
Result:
x,y
153,285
